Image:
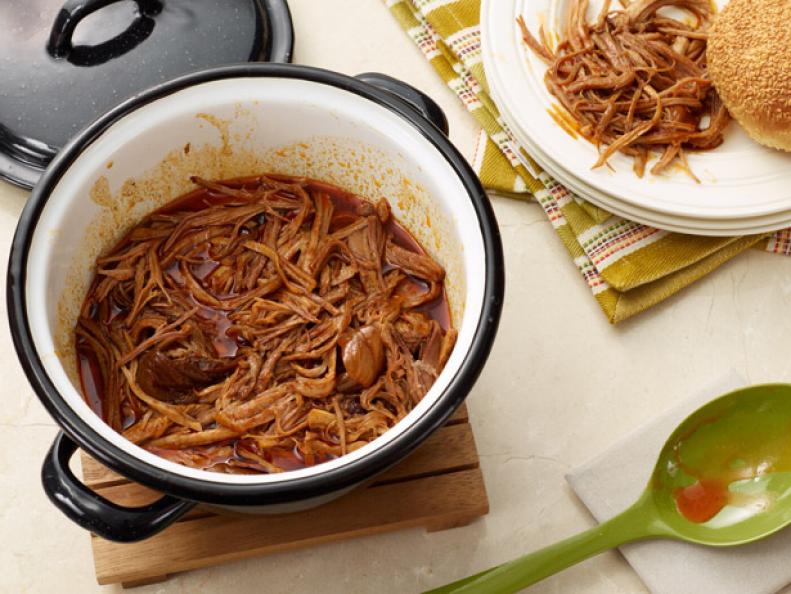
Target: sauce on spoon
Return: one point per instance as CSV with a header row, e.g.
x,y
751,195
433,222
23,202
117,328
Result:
x,y
719,465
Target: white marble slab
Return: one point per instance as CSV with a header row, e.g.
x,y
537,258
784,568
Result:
x,y
561,386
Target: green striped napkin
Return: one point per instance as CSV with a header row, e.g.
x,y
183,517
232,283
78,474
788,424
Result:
x,y
628,266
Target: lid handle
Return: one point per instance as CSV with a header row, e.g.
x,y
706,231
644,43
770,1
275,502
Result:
x,y
74,11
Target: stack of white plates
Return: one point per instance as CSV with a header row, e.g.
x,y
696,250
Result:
x,y
744,188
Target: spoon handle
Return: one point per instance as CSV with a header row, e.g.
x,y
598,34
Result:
x,y
638,522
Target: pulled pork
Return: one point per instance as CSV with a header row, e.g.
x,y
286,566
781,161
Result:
x,y
635,80
261,325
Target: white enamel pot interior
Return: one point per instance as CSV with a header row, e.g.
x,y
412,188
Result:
x,y
224,123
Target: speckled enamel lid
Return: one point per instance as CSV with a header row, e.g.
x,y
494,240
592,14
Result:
x,y
63,64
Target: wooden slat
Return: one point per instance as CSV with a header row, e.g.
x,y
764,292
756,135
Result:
x,y
145,582
448,499
449,449
460,415
96,475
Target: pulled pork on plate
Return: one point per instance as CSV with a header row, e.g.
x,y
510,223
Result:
x,y
636,80
262,324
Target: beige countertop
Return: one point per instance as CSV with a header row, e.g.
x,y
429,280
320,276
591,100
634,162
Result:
x,y
560,386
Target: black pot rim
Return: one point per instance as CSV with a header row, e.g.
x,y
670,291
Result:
x,y
296,489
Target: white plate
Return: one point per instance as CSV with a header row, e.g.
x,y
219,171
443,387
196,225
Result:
x,y
741,226
679,224
740,179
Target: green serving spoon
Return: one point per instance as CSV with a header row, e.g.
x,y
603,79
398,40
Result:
x,y
723,478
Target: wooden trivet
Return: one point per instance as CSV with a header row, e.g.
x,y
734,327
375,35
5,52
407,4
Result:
x,y
437,487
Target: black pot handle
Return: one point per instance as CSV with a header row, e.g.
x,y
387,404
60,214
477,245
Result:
x,y
74,11
95,513
417,99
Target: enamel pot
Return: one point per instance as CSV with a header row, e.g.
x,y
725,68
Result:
x,y
371,134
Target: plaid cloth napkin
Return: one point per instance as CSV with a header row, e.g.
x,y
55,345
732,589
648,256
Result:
x,y
628,266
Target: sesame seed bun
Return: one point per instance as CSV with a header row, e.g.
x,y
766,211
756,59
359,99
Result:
x,y
749,60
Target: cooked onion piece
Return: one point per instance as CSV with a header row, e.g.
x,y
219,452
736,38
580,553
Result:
x,y
635,80
261,325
